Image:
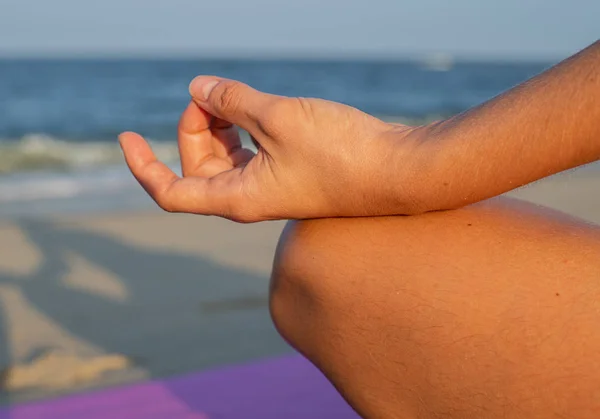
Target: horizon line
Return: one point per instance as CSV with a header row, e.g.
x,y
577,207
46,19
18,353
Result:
x,y
278,56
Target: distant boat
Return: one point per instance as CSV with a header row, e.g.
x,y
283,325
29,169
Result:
x,y
437,62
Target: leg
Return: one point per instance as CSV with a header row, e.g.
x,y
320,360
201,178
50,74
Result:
x,y
492,311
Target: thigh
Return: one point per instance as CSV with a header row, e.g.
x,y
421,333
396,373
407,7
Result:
x,y
488,311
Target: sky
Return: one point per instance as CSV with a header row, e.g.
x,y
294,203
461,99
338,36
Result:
x,y
522,29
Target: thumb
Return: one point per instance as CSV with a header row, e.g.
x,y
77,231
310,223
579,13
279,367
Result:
x,y
232,101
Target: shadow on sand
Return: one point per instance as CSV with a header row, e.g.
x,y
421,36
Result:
x,y
182,312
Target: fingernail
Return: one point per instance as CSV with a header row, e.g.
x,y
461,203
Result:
x,y
201,87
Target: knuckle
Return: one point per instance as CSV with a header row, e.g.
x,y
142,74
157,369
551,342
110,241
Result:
x,y
234,210
164,203
241,213
230,97
166,207
242,218
305,106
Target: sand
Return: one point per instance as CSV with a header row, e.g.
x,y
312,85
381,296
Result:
x,y
93,300
137,295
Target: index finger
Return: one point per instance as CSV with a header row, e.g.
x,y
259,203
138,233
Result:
x,y
169,191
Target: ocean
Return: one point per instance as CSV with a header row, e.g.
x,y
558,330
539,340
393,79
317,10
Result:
x,y
59,119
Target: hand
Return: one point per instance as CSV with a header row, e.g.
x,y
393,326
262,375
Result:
x,y
315,158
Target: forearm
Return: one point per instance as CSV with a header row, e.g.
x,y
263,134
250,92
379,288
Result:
x,y
546,125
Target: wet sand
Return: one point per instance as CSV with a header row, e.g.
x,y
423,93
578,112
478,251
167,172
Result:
x,y
93,300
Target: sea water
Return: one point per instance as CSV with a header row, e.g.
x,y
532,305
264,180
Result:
x,y
59,119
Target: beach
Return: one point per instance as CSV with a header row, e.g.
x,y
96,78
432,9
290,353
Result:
x,y
91,300
99,288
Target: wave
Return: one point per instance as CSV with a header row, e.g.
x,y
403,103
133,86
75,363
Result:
x,y
37,152
42,152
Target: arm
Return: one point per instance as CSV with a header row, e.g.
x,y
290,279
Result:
x,y
322,159
548,124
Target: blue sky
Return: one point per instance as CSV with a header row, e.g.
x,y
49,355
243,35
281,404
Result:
x,y
527,29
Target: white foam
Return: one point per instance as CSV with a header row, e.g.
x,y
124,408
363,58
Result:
x,y
44,153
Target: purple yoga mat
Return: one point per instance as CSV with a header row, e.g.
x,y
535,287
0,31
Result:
x,y
282,388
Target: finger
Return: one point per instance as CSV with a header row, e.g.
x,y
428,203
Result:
x,y
232,101
172,193
228,146
226,142
154,176
226,135
241,157
227,138
195,141
218,195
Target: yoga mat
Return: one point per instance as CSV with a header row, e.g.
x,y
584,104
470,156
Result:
x,y
282,388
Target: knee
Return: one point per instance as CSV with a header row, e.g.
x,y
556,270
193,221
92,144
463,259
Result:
x,y
327,299
309,288
294,297
318,279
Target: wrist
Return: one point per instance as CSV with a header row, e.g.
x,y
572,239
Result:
x,y
425,162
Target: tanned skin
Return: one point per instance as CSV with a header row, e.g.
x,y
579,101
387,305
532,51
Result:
x,y
491,310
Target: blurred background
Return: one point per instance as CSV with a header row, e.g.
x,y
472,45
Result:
x,y
96,286
74,74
